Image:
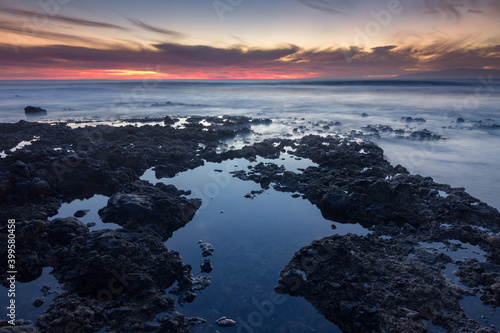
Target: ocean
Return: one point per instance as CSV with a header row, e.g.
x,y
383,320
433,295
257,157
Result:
x,y
255,238
468,157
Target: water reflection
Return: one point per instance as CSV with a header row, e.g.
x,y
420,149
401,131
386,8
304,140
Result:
x,y
93,205
253,240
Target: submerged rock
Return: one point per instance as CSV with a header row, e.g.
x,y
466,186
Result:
x,y
5,327
225,322
178,323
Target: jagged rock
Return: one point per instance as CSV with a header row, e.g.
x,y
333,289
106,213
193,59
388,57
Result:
x,y
206,266
365,284
141,205
207,249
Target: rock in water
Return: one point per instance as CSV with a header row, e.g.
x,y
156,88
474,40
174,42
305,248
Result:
x,y
34,110
207,249
206,267
225,322
38,302
81,213
366,284
140,205
169,121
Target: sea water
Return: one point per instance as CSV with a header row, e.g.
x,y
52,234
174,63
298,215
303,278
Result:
x,y
248,233
467,158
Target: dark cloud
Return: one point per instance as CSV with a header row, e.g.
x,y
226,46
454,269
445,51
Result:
x,y
196,57
202,54
148,27
287,59
32,15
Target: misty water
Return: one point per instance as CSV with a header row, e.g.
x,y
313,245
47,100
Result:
x,y
255,238
470,150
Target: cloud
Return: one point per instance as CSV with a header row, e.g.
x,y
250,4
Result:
x,y
24,31
330,6
283,60
213,56
65,19
453,10
155,29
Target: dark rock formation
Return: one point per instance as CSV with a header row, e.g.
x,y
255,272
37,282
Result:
x,y
134,271
31,110
81,213
206,266
365,284
38,302
117,279
140,205
353,183
411,120
207,249
424,134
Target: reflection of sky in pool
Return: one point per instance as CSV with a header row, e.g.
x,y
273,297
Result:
x,y
92,205
253,239
26,293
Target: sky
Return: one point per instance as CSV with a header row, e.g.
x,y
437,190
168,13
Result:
x,y
244,39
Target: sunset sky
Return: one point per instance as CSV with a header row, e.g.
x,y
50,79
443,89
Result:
x,y
209,39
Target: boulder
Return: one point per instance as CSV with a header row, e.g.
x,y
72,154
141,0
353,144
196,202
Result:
x,y
141,205
34,110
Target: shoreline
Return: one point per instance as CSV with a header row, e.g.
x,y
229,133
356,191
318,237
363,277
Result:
x,y
353,183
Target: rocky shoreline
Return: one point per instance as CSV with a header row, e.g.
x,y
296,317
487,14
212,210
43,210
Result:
x,y
116,279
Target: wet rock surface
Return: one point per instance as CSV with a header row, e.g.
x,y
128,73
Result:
x,y
112,279
365,284
134,271
34,110
207,249
140,206
206,266
117,279
225,322
354,183
400,133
